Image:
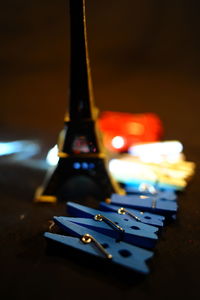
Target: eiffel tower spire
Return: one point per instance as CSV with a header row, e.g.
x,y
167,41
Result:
x,y
81,151
81,94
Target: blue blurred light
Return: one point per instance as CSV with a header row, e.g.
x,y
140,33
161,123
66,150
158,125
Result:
x,y
85,165
76,165
21,149
10,147
91,165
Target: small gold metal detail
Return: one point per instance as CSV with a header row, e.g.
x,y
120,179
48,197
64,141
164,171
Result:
x,y
82,155
87,239
51,225
154,200
123,211
153,204
62,154
46,199
144,197
108,200
107,220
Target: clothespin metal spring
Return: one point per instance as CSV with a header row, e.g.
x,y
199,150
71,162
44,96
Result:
x,y
123,211
88,238
101,218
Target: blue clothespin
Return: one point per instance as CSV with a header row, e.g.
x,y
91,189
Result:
x,y
144,217
135,234
149,190
102,246
82,211
146,203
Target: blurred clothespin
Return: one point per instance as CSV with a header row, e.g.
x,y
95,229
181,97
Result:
x,y
152,190
130,170
145,203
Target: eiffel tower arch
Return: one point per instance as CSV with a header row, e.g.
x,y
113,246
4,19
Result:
x,y
81,150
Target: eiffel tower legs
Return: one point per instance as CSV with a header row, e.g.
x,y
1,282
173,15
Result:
x,y
91,166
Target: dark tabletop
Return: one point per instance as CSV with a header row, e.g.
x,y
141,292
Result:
x,y
145,58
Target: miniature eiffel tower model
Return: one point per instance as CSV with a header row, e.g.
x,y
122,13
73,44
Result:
x,y
81,151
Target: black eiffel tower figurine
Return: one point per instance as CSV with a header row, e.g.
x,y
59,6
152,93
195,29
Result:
x,y
81,152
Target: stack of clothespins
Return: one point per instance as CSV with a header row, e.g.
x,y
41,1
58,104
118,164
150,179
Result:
x,y
124,230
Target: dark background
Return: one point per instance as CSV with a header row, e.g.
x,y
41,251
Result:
x,y
145,58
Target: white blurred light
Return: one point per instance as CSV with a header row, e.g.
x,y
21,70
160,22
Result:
x,y
118,142
125,170
21,149
52,156
146,187
169,151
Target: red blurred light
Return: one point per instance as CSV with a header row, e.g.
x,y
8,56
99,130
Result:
x,y
132,128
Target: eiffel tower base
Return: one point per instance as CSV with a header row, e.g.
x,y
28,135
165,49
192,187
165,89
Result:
x,y
74,166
